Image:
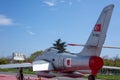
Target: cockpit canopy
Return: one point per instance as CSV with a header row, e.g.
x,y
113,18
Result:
x,y
50,50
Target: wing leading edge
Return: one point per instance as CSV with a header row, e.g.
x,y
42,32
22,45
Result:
x,y
16,65
36,65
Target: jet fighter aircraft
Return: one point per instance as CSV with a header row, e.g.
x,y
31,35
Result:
x,y
52,63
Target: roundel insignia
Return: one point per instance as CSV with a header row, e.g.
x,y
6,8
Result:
x,y
68,62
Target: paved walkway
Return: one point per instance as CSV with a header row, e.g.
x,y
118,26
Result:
x,y
12,76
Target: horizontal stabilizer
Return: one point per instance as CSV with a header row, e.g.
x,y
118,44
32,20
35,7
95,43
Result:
x,y
111,67
112,47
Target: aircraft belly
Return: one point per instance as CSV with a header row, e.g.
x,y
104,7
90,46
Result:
x,y
45,74
85,71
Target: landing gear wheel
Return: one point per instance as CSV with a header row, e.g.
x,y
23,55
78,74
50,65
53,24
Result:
x,y
39,78
91,77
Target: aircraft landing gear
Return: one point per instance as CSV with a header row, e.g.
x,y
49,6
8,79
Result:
x,y
39,78
91,77
20,75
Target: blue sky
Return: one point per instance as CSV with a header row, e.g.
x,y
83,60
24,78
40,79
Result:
x,y
27,26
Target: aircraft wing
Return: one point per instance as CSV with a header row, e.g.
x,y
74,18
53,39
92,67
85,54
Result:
x,y
16,65
111,67
40,65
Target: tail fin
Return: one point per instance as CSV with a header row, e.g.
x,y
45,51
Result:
x,y
96,39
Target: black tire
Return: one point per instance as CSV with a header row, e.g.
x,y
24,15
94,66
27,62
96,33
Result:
x,y
39,78
91,77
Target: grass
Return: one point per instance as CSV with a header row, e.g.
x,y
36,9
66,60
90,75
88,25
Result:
x,y
108,77
25,71
8,70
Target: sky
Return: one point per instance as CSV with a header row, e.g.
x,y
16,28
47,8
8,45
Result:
x,y
27,26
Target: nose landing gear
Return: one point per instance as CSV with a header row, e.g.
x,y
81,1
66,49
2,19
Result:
x,y
91,77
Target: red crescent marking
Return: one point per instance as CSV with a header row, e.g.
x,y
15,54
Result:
x,y
97,28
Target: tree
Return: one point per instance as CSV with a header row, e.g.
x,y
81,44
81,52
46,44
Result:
x,y
4,61
60,46
116,60
34,55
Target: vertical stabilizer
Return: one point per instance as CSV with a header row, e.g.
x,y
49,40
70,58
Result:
x,y
96,39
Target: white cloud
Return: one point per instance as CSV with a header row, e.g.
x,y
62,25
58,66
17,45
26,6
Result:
x,y
31,33
57,2
4,20
50,3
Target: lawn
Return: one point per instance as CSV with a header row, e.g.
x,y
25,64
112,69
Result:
x,y
108,77
25,71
